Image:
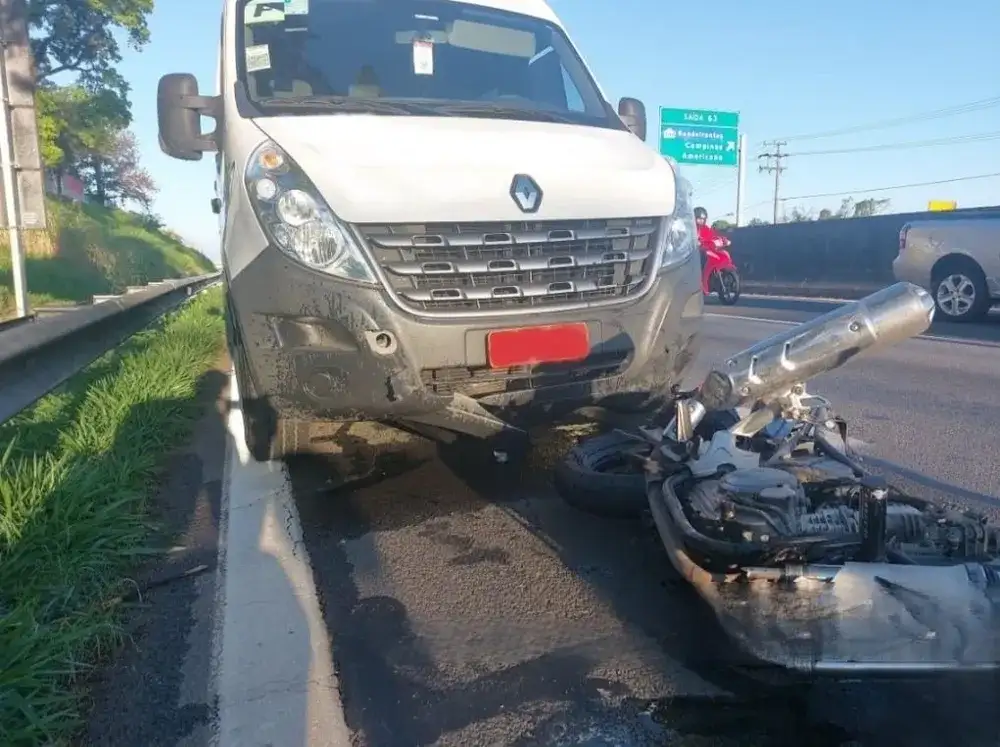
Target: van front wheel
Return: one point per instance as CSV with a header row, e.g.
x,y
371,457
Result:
x,y
268,437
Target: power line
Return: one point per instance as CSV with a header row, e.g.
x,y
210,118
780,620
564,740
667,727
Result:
x,y
712,187
748,207
892,187
949,111
957,140
718,179
774,166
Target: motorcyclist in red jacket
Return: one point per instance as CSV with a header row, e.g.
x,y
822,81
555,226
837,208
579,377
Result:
x,y
708,237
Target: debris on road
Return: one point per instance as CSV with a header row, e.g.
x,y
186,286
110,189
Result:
x,y
809,562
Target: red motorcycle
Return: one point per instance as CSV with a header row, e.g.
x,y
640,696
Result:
x,y
718,272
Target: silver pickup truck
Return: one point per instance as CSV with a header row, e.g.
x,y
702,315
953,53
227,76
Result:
x,y
958,260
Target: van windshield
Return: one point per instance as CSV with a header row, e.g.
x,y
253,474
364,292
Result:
x,y
424,57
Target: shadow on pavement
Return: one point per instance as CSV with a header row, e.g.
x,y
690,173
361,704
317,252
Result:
x,y
143,695
402,532
402,680
421,527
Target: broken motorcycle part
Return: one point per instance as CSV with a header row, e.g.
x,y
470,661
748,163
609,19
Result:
x,y
810,563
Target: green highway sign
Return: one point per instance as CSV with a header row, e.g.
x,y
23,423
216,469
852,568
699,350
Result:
x,y
699,117
700,137
700,146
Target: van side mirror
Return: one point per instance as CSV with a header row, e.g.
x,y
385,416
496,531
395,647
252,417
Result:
x,y
633,114
179,110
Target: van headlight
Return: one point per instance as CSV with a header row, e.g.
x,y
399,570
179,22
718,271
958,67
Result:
x,y
679,235
297,219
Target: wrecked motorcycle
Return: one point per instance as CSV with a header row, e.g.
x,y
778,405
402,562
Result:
x,y
811,563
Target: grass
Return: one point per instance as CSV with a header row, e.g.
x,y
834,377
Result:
x,y
89,250
77,473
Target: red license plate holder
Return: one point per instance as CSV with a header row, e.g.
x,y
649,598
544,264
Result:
x,y
531,346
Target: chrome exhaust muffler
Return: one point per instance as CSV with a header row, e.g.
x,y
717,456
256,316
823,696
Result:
x,y
766,371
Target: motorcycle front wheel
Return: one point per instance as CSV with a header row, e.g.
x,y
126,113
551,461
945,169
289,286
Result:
x,y
727,284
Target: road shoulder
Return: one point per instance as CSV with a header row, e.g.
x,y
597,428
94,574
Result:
x,y
272,653
156,689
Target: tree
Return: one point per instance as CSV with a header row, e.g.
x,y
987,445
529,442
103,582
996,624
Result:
x,y
113,175
870,207
79,38
757,222
73,122
722,225
848,209
153,222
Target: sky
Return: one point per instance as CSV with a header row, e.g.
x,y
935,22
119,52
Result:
x,y
790,68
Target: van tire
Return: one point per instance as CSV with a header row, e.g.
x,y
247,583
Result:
x,y
266,443
958,271
268,437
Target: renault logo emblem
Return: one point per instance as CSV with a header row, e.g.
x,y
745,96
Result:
x,y
527,195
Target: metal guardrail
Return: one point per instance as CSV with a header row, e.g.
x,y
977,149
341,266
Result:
x,y
41,351
17,321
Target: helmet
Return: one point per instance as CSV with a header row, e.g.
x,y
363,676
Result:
x,y
700,212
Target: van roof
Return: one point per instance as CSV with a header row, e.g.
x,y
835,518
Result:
x,y
536,8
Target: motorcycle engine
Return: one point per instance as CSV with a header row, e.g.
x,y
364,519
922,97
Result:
x,y
765,502
761,504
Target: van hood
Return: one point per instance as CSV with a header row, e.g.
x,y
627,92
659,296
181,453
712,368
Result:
x,y
393,169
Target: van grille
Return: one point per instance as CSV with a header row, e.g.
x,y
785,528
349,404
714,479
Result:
x,y
494,266
484,381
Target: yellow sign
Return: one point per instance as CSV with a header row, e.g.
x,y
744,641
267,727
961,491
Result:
x,y
940,206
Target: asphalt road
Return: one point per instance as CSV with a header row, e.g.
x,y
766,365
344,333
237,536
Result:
x,y
468,605
800,309
467,609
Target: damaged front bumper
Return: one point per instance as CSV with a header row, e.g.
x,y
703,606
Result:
x,y
323,349
858,620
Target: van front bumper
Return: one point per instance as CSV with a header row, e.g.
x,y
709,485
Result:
x,y
320,348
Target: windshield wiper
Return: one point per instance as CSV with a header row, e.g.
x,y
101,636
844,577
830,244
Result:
x,y
357,106
414,108
504,110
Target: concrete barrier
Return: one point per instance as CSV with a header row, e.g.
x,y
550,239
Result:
x,y
838,258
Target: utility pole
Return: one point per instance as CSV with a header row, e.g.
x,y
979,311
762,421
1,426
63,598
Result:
x,y
776,168
741,178
22,187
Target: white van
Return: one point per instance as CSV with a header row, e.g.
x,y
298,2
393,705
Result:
x,y
431,216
